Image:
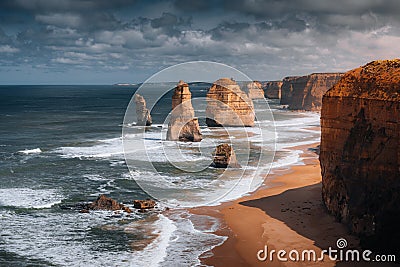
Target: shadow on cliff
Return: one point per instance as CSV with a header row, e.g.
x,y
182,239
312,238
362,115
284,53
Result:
x,y
302,210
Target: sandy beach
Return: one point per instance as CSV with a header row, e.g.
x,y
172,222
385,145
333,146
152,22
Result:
x,y
286,213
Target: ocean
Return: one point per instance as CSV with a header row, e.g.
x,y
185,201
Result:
x,y
62,145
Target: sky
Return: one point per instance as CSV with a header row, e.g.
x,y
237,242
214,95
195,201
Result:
x,y
106,42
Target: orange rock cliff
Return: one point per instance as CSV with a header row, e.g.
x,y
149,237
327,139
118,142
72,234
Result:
x,y
183,126
360,153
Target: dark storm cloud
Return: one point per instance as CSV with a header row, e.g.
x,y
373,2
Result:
x,y
355,15
40,6
268,38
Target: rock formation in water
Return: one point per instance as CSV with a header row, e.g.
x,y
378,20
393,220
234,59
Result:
x,y
105,203
224,157
183,126
254,90
305,92
228,105
144,204
360,151
142,113
272,89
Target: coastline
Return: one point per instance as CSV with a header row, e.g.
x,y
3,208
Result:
x,y
285,213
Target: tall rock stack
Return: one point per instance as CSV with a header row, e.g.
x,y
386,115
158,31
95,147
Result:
x,y
255,91
360,151
272,89
183,126
142,113
228,105
305,93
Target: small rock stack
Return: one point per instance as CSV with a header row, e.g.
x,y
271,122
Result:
x,y
224,157
142,113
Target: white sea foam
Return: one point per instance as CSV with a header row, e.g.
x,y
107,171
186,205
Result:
x,y
155,253
189,240
29,198
30,151
108,148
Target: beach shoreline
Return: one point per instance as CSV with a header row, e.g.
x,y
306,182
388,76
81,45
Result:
x,y
286,212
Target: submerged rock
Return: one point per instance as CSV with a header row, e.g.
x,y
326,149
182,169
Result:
x,y
142,113
144,204
360,152
228,105
224,157
183,126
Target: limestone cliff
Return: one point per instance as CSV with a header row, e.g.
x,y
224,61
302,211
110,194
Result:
x,y
287,89
360,153
183,126
142,113
254,90
305,92
228,105
272,89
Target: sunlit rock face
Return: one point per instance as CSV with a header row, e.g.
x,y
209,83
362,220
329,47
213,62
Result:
x,y
228,105
225,157
142,113
183,126
359,152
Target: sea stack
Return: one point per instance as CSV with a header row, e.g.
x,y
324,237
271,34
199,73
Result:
x,y
142,113
305,92
254,90
360,151
228,105
225,157
183,126
272,89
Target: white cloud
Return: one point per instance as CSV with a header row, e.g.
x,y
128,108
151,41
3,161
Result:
x,y
64,60
8,49
69,20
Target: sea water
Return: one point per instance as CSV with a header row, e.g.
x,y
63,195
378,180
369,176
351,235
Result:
x,y
62,145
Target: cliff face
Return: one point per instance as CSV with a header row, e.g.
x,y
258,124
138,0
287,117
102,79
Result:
x,y
305,93
255,91
287,89
360,153
183,126
142,113
272,89
228,105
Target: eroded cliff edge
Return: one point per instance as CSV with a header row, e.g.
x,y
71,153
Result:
x,y
360,152
305,92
